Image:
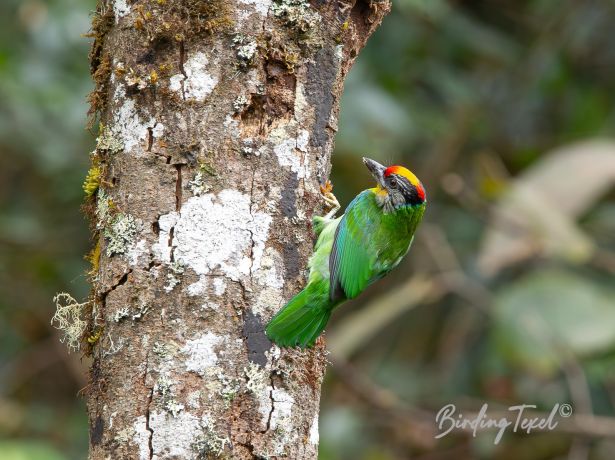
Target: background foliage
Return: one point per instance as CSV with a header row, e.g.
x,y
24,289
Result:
x,y
504,109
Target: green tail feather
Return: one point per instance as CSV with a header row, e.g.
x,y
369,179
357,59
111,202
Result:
x,y
301,321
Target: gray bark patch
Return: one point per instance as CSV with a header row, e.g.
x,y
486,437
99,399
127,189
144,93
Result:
x,y
321,76
96,431
256,340
292,260
288,202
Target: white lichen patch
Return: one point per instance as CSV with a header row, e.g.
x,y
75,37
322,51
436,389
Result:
x,y
232,127
173,278
103,209
210,442
245,49
314,435
174,436
215,233
282,408
257,379
120,9
163,387
198,288
260,6
127,125
113,347
296,13
275,405
172,281
140,437
229,387
269,272
197,83
193,400
248,147
273,354
173,407
108,141
291,152
201,352
120,233
219,286
138,253
339,52
197,185
213,306
140,313
157,130
161,249
269,301
259,385
240,103
165,350
121,314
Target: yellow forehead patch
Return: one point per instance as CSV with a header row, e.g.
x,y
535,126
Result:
x,y
400,170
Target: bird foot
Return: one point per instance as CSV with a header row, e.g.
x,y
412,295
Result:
x,y
327,193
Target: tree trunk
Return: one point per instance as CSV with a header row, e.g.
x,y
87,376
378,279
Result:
x,y
217,124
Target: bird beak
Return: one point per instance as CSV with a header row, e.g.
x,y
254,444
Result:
x,y
376,169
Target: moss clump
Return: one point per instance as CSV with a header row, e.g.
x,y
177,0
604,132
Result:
x,y
198,185
100,63
287,55
207,168
180,20
209,16
95,337
92,181
93,257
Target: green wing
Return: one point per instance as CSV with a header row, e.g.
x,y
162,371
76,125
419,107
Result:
x,y
353,256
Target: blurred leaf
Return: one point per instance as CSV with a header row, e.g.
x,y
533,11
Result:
x,y
545,318
343,433
357,330
28,450
537,214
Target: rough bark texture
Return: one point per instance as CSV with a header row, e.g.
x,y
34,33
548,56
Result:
x,y
218,120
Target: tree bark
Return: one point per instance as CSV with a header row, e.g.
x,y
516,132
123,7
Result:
x,y
217,124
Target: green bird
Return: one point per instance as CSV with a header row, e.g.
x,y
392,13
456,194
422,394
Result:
x,y
352,251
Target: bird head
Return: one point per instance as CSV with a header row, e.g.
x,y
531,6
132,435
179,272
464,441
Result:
x,y
397,186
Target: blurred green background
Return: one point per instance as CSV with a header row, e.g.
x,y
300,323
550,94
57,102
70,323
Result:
x,y
505,110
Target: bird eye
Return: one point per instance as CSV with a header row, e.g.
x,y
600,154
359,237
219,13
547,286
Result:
x,y
393,183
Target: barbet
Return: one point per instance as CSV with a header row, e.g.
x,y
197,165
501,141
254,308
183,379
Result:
x,y
352,251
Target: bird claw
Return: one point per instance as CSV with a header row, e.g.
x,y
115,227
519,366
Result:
x,y
326,191
326,188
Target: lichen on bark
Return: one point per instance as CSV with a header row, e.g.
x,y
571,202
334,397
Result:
x,y
219,119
